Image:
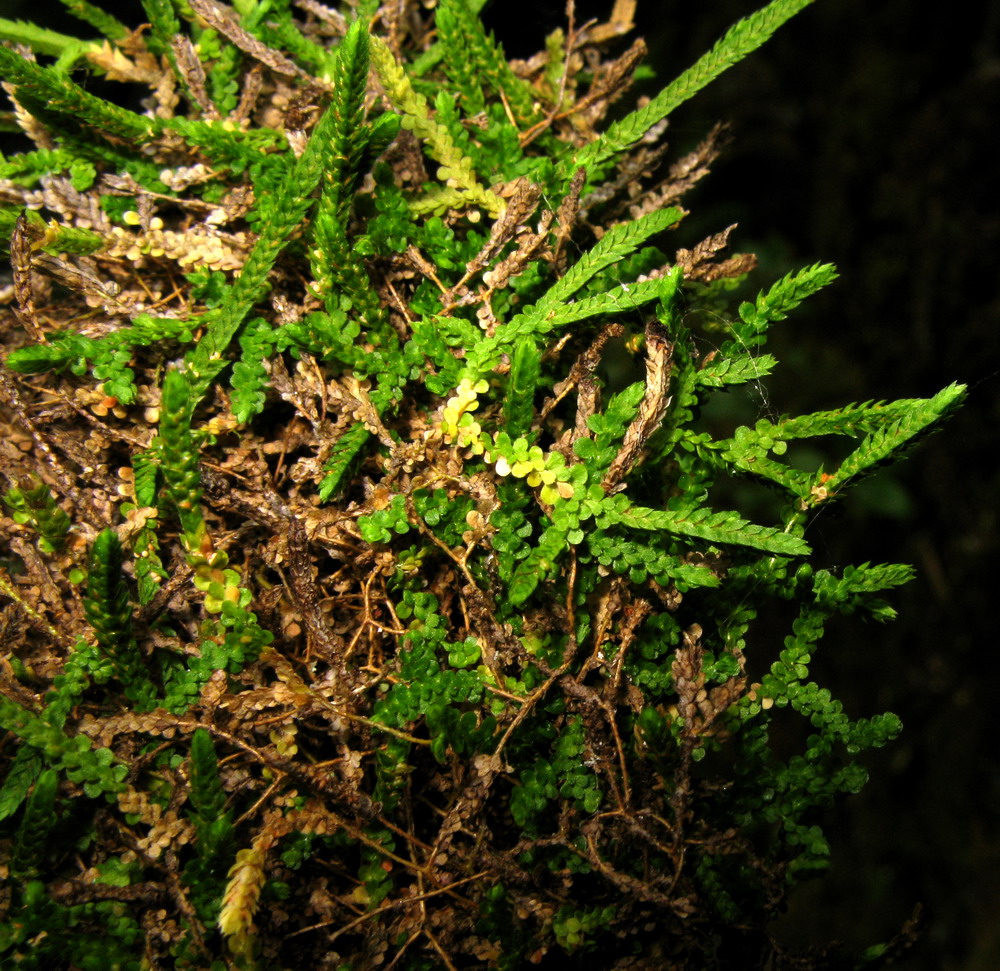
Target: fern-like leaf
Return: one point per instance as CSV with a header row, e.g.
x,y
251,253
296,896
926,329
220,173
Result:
x,y
39,819
741,39
284,214
96,768
471,54
34,503
109,611
44,86
889,443
738,369
40,39
456,169
539,565
164,23
519,406
617,243
786,295
335,268
714,527
179,457
345,450
23,770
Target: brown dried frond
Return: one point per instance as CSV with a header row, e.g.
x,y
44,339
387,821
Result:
x,y
697,263
610,84
633,169
529,248
653,407
521,198
583,368
334,19
57,194
168,832
83,276
250,89
739,264
683,174
224,20
144,68
194,75
20,261
462,815
621,21
87,506
213,249
698,707
566,218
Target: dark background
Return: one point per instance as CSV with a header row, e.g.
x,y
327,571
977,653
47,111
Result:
x,y
865,135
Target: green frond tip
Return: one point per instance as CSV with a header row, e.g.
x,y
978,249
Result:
x,y
519,403
108,608
47,88
716,527
472,57
22,772
39,39
164,23
208,798
787,294
336,272
51,237
34,503
343,453
96,768
107,602
744,37
280,215
351,84
890,442
36,825
111,27
179,455
616,244
437,52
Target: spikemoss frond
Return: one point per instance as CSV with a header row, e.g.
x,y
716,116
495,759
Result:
x,y
109,25
36,825
420,515
455,169
40,39
744,37
108,608
43,91
471,56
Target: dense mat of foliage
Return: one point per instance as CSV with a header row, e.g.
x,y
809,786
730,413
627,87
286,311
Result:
x,y
367,597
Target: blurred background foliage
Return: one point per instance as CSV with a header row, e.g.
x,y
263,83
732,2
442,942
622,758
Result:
x,y
861,136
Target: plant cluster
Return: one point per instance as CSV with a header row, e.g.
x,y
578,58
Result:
x,y
369,597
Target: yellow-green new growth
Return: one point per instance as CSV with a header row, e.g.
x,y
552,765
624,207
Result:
x,y
456,169
459,405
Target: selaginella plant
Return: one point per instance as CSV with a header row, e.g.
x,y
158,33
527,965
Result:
x,y
372,595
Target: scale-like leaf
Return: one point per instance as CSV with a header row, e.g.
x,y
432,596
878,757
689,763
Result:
x,y
617,243
715,527
744,37
888,443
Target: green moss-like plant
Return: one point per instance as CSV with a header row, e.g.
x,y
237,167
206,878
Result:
x,y
370,600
